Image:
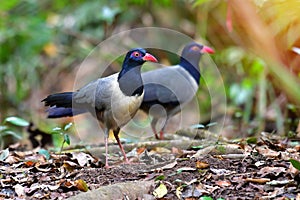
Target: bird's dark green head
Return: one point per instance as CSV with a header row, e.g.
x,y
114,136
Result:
x,y
136,57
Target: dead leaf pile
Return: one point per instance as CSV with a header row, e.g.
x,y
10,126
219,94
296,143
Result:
x,y
38,175
261,170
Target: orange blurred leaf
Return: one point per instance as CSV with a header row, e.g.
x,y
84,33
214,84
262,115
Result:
x,y
81,185
201,165
223,183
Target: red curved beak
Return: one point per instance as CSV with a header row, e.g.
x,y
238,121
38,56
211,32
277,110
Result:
x,y
207,49
149,57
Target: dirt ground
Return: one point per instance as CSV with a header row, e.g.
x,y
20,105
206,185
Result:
x,y
243,169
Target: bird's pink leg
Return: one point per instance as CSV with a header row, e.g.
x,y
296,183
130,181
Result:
x,y
161,132
161,135
106,153
153,124
121,147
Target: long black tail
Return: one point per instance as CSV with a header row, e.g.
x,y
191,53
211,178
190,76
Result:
x,y
59,100
61,105
55,112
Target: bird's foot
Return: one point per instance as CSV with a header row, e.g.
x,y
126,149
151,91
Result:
x,y
161,135
126,161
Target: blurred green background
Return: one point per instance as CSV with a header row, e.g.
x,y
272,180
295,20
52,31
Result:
x,y
43,42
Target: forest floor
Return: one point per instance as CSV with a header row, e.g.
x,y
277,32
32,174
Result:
x,y
253,168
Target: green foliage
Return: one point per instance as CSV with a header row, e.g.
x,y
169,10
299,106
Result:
x,y
295,163
63,136
206,198
12,127
160,178
16,121
21,46
251,140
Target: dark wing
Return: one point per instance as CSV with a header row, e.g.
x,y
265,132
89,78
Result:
x,y
169,87
159,94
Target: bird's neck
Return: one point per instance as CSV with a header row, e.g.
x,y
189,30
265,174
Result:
x,y
192,67
130,81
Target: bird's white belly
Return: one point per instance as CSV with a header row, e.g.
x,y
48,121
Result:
x,y
123,108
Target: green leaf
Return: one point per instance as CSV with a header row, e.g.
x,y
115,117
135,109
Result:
x,y
160,177
206,198
295,163
57,140
2,128
67,139
198,147
4,154
68,126
200,2
251,140
12,133
7,5
56,129
45,153
17,121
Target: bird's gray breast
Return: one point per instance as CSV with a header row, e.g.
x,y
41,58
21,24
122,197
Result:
x,y
105,97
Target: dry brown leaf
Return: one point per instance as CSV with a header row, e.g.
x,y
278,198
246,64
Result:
x,y
36,158
22,154
176,151
81,185
29,163
167,166
264,150
201,165
68,184
12,160
43,169
257,180
292,170
271,170
297,148
160,150
140,150
69,165
224,183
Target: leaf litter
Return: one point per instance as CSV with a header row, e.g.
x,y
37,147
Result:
x,y
263,170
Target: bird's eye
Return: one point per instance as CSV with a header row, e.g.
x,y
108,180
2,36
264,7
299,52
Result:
x,y
195,48
136,54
